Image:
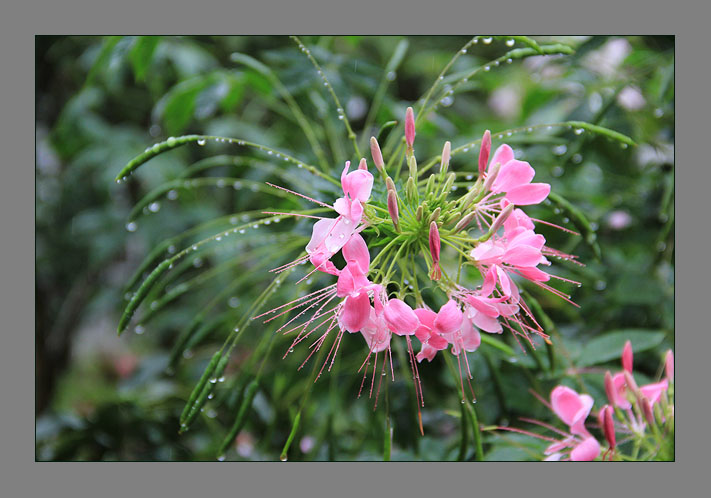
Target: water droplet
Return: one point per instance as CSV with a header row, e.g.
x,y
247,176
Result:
x,y
486,68
447,101
577,158
391,76
172,194
171,249
139,329
559,150
213,380
600,285
242,230
508,61
220,183
487,40
283,458
154,305
623,145
171,141
131,226
197,262
210,396
233,302
201,141
661,246
469,177
658,112
496,63
221,458
557,171
474,402
221,379
578,131
463,51
510,42
464,400
476,40
566,220
291,350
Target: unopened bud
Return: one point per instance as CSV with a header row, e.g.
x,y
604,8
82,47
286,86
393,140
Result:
x,y
503,216
627,356
410,128
669,365
429,187
452,217
412,165
393,210
411,190
446,153
484,151
376,153
389,184
469,198
464,222
435,215
607,425
448,183
435,245
419,213
647,410
363,164
491,176
631,384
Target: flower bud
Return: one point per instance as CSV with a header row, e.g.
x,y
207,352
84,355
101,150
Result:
x,y
377,154
610,389
607,425
627,357
412,165
647,410
363,164
484,151
669,365
448,183
419,213
463,223
411,190
434,240
393,210
491,176
446,154
389,184
503,216
429,187
409,128
435,215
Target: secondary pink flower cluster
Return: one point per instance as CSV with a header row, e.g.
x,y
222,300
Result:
x,y
573,409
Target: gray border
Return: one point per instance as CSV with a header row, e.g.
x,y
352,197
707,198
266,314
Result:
x,y
21,476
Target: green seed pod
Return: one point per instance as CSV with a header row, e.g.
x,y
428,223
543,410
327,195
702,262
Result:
x,y
411,191
430,187
435,215
419,213
412,164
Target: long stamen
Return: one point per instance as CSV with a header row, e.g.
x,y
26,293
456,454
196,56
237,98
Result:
x,y
300,195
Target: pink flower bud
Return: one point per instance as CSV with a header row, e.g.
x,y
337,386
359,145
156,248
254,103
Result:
x,y
436,273
627,357
607,425
484,152
669,365
503,216
393,210
647,410
491,176
363,164
410,127
446,155
376,153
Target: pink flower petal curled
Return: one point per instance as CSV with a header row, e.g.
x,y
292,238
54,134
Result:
x,y
572,408
449,318
654,391
619,384
586,451
502,155
357,251
355,313
376,333
427,352
401,319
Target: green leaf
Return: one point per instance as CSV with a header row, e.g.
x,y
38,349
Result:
x,y
142,54
609,346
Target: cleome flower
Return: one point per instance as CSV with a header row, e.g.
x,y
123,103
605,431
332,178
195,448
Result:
x,y
378,296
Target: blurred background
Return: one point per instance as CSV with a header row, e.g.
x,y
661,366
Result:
x,y
100,101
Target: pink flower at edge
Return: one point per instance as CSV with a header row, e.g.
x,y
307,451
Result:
x,y
435,326
514,179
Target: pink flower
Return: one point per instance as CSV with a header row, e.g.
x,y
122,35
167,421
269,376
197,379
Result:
x,y
585,450
514,179
357,186
434,326
572,408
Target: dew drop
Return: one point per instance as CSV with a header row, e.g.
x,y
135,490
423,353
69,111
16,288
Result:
x,y
139,329
623,145
577,158
213,380
237,185
154,305
233,302
172,194
487,40
218,239
661,246
171,141
578,131
283,458
510,42
474,402
508,61
486,68
291,350
391,76
463,51
221,458
201,141
194,247
557,171
658,112
242,230
496,63
600,285
197,262
171,249
464,400
210,396
447,101
220,183
131,226
559,150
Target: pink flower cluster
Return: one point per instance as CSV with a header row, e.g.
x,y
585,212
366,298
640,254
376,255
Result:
x,y
573,409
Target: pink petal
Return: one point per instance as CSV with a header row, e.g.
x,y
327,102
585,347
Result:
x,y
533,274
653,391
355,313
526,195
356,250
568,404
438,342
513,174
522,256
502,155
486,323
483,305
426,318
449,318
586,451
319,232
517,219
358,185
471,339
620,391
426,352
400,317
489,282
339,235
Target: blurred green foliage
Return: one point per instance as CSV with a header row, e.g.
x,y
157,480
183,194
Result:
x,y
102,101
